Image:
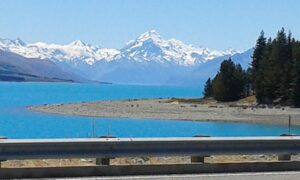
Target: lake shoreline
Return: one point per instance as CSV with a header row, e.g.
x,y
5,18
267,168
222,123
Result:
x,y
177,109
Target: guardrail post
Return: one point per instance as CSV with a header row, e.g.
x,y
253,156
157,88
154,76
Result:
x,y
103,161
284,157
197,159
1,160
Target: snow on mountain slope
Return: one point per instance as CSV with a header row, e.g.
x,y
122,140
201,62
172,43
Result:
x,y
149,46
209,69
75,52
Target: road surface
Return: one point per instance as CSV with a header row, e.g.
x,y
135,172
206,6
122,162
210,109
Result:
x,y
231,176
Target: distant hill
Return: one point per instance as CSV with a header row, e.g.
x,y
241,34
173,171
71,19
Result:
x,y
14,67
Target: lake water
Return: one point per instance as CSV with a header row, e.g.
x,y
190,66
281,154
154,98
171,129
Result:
x,y
17,122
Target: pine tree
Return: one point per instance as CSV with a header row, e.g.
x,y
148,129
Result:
x,y
248,83
288,70
295,85
285,65
208,91
229,83
272,75
258,55
282,57
265,78
295,90
256,72
239,81
218,88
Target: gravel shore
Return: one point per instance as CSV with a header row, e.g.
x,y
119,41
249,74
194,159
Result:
x,y
177,109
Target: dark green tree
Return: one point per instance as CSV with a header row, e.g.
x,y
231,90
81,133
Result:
x,y
272,72
208,91
265,82
295,89
282,61
229,83
257,58
274,75
295,85
257,75
248,83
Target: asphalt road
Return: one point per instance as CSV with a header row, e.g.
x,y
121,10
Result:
x,y
235,176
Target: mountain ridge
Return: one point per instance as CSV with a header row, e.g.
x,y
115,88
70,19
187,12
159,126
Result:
x,y
148,59
146,47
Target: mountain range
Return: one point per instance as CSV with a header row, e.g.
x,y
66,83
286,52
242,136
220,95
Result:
x,y
148,59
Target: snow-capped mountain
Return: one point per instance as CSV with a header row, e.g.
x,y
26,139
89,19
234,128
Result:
x,y
148,59
149,46
73,52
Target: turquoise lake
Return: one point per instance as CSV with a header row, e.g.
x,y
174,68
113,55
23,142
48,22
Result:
x,y
18,122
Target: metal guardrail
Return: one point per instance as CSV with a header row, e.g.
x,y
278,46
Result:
x,y
13,149
105,148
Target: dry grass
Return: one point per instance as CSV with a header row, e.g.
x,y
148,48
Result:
x,y
250,100
191,100
140,161
47,163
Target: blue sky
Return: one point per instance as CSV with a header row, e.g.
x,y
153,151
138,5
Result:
x,y
217,24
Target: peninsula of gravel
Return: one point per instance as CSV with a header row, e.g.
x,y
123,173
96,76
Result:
x,y
245,110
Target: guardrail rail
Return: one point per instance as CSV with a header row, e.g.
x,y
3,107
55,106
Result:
x,y
105,148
